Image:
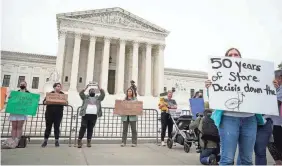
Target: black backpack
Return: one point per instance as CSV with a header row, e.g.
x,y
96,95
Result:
x,y
209,130
23,141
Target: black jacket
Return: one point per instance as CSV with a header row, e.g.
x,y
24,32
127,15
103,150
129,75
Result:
x,y
54,107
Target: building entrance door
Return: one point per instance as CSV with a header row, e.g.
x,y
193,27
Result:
x,y
111,81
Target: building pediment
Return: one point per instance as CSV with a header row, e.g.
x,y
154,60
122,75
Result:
x,y
114,17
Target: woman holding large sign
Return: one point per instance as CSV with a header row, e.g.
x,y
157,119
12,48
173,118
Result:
x,y
54,113
129,120
235,128
17,119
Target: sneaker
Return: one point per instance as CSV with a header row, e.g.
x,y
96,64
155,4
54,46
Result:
x,y
163,143
133,145
57,144
44,144
174,144
122,145
79,143
212,159
89,143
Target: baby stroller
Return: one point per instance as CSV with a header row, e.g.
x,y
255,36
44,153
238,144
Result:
x,y
181,133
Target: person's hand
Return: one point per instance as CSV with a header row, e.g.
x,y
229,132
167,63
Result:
x,y
208,83
275,83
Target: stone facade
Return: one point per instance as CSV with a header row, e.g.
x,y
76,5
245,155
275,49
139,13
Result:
x,y
109,46
16,64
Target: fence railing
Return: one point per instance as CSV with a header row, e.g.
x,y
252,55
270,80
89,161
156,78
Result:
x,y
108,126
35,125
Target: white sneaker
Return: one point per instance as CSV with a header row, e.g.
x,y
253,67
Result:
x,y
163,143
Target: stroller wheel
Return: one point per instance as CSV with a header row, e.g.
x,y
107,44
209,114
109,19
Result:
x,y
169,143
186,148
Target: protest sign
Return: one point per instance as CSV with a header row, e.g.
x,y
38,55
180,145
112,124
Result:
x,y
56,98
22,103
123,107
3,97
197,106
242,85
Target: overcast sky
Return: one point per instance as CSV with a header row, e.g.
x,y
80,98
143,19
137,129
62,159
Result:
x,y
199,28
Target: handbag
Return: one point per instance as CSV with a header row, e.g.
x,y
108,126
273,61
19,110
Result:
x,y
23,141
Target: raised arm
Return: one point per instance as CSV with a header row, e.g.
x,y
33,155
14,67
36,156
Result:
x,y
82,95
102,95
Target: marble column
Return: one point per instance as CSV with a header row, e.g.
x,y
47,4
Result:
x,y
134,74
75,63
120,68
105,65
61,54
160,67
148,71
91,59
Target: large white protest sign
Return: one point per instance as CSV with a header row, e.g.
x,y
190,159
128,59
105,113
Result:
x,y
242,85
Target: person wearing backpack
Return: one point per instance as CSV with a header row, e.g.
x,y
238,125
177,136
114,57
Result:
x,y
209,138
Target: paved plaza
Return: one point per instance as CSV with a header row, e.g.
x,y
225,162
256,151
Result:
x,y
101,154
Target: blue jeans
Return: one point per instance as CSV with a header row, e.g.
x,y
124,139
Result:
x,y
241,131
263,135
205,155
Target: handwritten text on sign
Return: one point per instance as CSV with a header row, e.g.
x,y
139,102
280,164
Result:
x,y
242,85
56,98
128,107
22,103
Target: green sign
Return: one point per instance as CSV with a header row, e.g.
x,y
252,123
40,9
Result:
x,y
22,103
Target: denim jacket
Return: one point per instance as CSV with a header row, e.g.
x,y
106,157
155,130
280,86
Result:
x,y
85,102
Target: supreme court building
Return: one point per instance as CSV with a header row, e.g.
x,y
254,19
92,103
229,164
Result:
x,y
109,46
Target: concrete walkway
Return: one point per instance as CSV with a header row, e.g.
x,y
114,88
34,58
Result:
x,y
101,154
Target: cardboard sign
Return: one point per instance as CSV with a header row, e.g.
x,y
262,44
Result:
x,y
242,85
22,103
128,107
56,98
3,97
197,106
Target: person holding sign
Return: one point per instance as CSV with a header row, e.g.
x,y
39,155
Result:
x,y
129,120
53,115
17,119
166,120
235,128
90,110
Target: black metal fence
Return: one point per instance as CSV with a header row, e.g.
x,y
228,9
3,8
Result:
x,y
110,125
35,125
